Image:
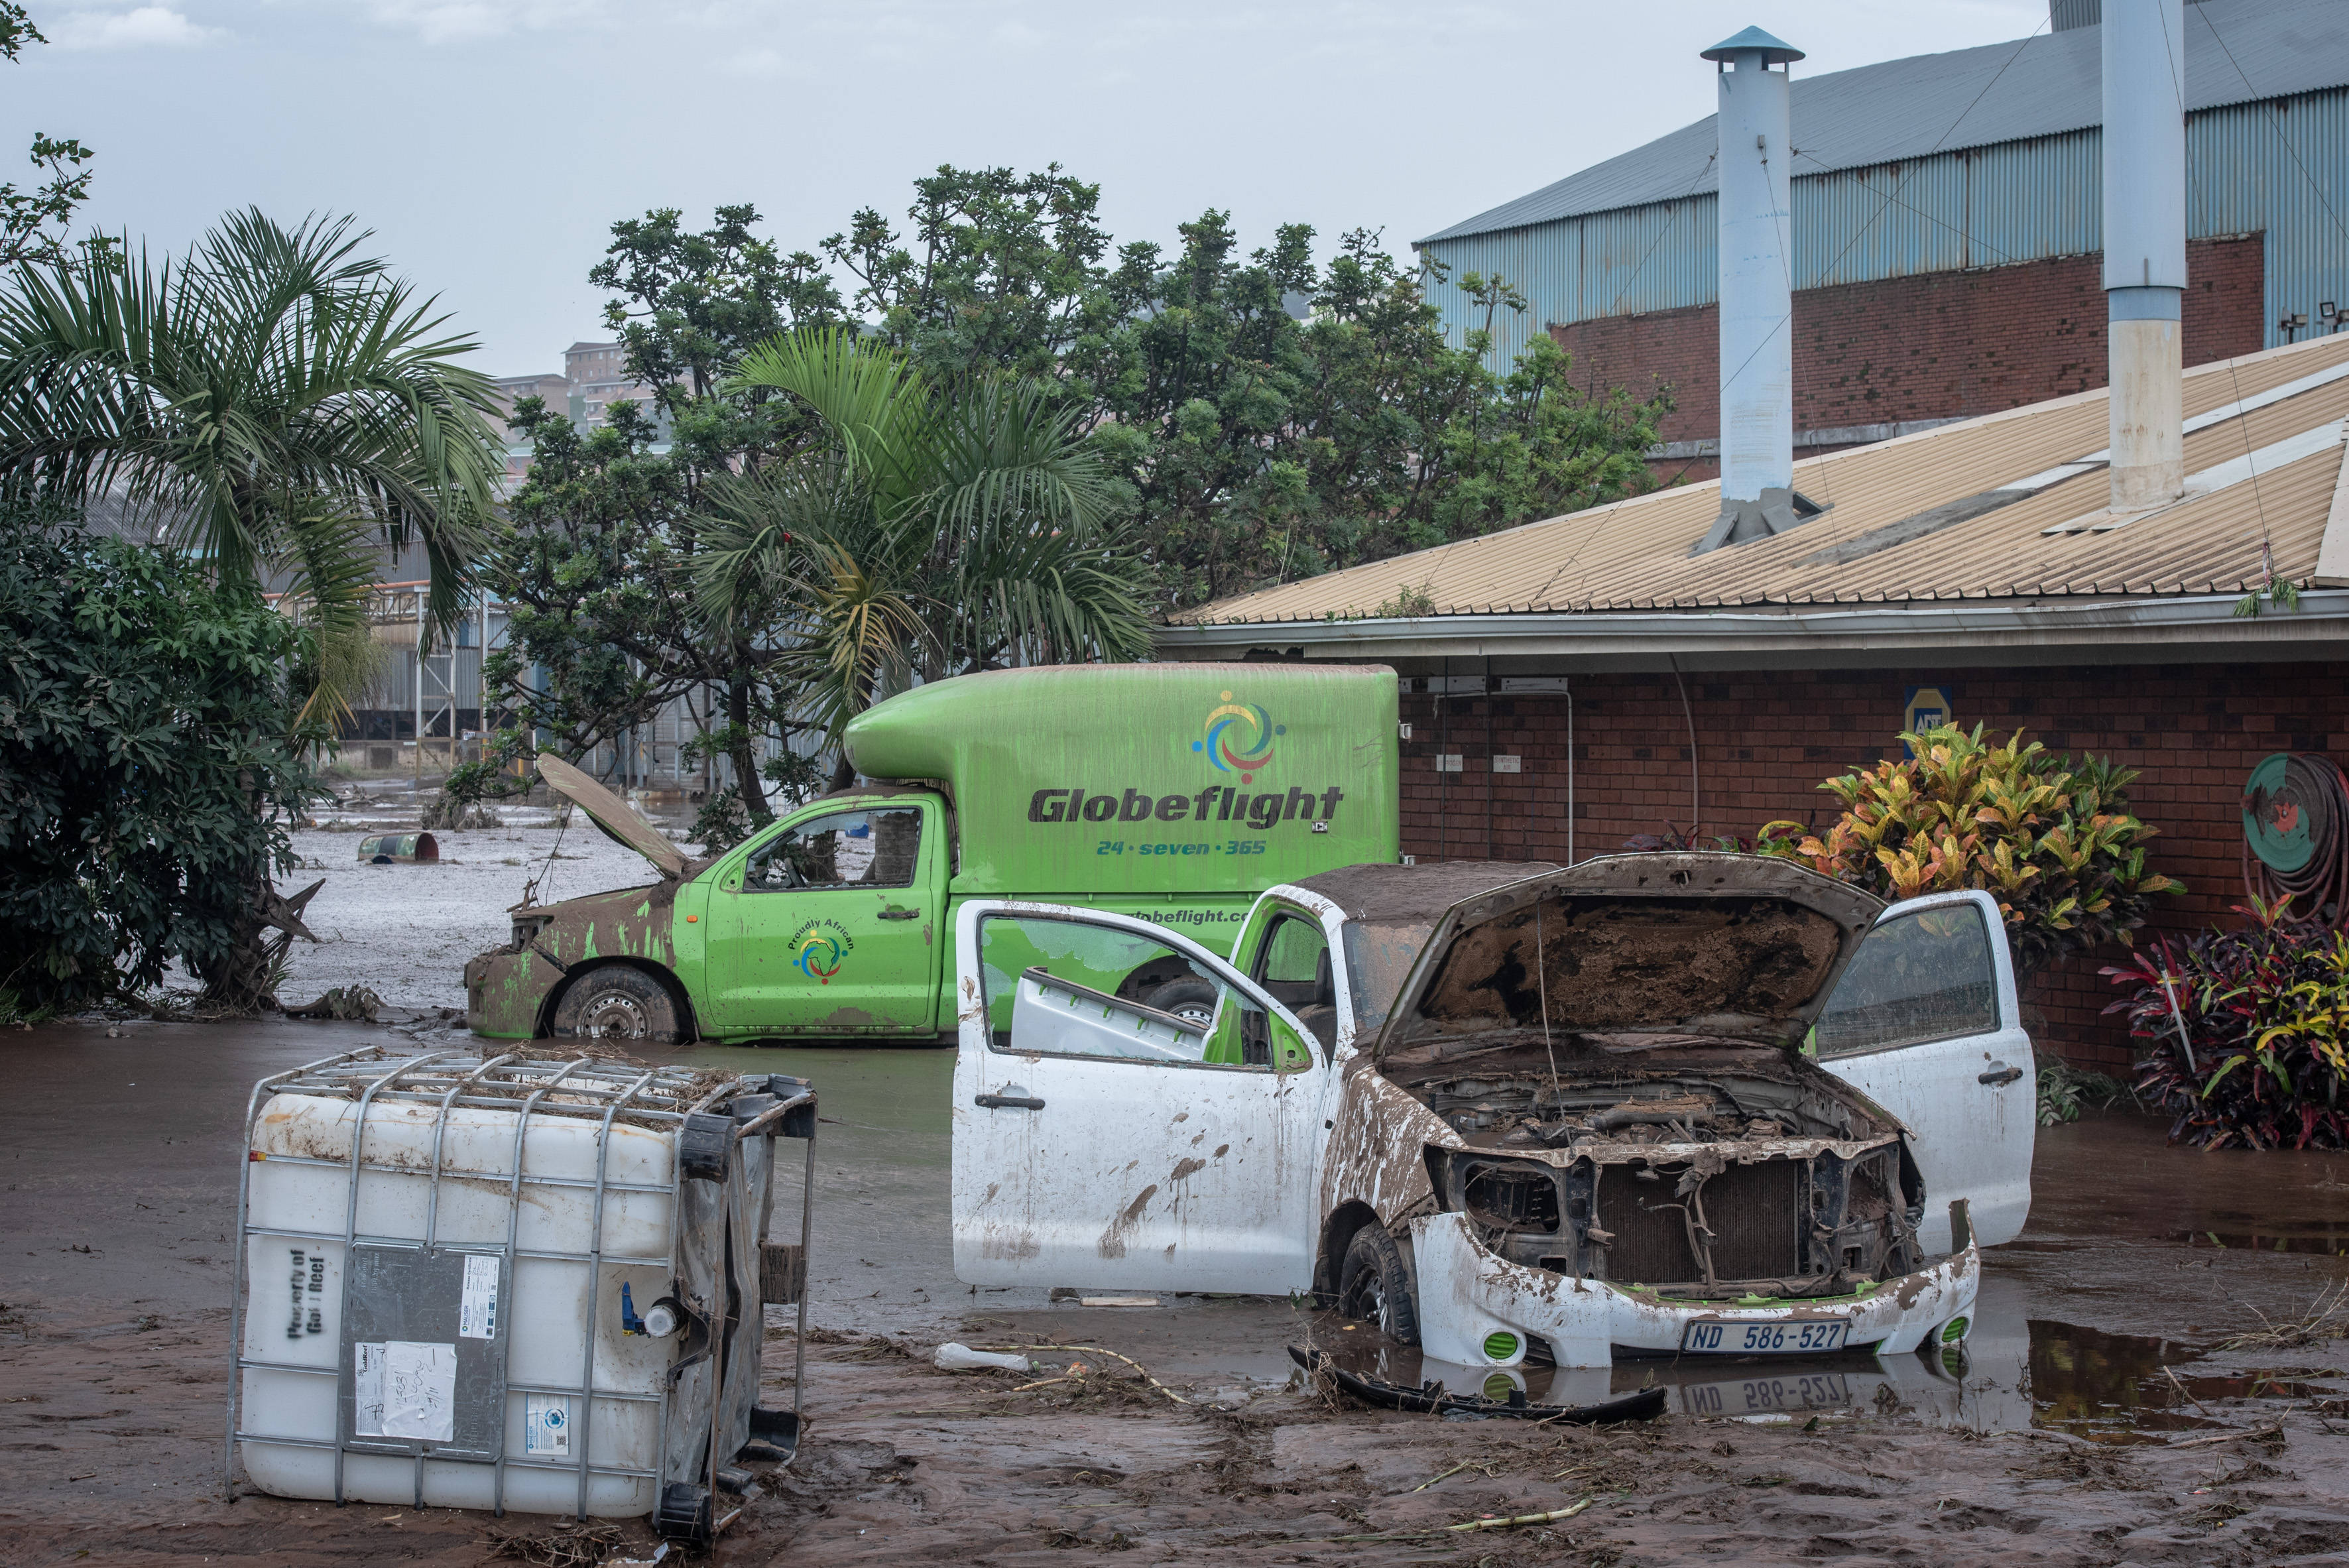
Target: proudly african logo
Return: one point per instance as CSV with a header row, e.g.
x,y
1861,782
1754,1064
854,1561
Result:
x,y
819,948
1239,739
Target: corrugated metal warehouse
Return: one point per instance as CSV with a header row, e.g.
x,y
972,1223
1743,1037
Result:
x,y
1945,225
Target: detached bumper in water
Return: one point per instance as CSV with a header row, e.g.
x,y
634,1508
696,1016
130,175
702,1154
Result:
x,y
1472,1302
504,991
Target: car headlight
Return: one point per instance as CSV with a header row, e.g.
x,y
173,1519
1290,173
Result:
x,y
1507,1194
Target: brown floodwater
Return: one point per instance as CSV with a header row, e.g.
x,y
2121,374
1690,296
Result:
x,y
120,1173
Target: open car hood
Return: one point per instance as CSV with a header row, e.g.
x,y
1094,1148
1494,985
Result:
x,y
614,816
1628,952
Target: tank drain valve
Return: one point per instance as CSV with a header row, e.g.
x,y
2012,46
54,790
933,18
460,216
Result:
x,y
659,1321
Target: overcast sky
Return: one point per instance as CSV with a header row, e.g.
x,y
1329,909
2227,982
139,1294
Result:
x,y
490,143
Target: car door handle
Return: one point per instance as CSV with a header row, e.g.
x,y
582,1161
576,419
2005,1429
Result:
x,y
2000,1073
901,914
1010,1102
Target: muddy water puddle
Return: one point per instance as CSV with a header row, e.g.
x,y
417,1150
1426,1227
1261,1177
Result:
x,y
2049,1376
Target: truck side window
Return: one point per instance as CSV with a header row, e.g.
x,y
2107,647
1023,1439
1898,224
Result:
x,y
843,849
1923,976
1064,987
1293,964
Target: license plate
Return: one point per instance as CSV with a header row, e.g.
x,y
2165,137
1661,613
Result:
x,y
1714,1336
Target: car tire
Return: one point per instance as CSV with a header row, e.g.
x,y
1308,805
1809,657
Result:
x,y
1192,999
1375,1285
615,1002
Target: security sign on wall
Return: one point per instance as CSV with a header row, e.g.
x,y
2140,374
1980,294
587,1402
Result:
x,y
1928,707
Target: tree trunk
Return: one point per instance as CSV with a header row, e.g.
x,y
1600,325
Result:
x,y
742,753
244,979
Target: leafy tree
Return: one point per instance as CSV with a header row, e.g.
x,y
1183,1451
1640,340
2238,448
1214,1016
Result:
x,y
33,222
283,406
276,398
151,755
1277,416
1001,272
608,527
945,529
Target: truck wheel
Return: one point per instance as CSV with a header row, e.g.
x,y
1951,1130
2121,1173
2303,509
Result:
x,y
614,1002
1375,1284
1191,999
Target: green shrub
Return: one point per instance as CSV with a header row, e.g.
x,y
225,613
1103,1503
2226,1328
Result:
x,y
148,773
466,793
2065,1090
2051,838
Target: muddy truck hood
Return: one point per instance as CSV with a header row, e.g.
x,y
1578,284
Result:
x,y
614,816
1624,953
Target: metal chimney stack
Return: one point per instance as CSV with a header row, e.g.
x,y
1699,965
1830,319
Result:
x,y
2145,245
1757,340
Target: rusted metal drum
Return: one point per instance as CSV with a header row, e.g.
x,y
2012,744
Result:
x,y
401,848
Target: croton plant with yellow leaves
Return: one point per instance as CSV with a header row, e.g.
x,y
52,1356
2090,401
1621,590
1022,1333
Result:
x,y
2051,838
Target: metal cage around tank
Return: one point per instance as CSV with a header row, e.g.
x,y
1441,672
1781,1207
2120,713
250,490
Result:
x,y
537,1088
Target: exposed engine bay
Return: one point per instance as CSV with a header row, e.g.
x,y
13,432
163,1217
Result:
x,y
1711,1171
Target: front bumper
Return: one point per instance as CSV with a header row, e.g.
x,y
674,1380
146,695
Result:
x,y
1467,1295
505,991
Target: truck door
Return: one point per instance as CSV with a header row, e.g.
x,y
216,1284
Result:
x,y
1099,1140
1925,1024
829,925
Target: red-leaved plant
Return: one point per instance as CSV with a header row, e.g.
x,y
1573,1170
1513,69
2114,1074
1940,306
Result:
x,y
2246,1032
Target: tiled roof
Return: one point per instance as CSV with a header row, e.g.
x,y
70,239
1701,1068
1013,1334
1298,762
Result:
x,y
1907,524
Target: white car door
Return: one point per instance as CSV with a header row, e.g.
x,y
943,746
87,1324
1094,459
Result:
x,y
1103,1134
1925,1024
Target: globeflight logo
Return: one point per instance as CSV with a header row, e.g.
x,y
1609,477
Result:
x,y
1239,739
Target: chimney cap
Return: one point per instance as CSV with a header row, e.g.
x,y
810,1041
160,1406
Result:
x,y
1774,51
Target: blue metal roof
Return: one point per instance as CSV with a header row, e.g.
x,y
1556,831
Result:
x,y
2236,51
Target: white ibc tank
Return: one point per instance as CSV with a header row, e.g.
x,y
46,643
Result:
x,y
523,1282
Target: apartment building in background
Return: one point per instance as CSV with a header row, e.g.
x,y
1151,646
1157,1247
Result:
x,y
594,377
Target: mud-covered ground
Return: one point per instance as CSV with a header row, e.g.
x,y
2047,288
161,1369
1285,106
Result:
x,y
111,1433
2067,1439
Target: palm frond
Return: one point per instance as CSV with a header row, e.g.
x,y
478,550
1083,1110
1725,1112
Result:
x,y
874,401
273,373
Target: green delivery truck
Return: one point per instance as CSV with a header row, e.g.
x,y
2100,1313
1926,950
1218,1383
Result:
x,y
1175,792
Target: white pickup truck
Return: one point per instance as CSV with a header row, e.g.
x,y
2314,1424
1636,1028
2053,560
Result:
x,y
1669,1103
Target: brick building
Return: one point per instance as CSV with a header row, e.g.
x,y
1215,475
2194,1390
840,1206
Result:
x,y
1580,680
1946,231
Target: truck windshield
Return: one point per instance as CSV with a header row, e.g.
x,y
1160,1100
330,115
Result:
x,y
1378,958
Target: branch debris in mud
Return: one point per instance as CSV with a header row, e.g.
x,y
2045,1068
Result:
x,y
577,1546
1140,1370
2326,1318
1484,1521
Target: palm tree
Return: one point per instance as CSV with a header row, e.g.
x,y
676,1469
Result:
x,y
283,404
283,397
943,530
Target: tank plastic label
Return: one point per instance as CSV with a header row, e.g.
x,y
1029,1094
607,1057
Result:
x,y
405,1388
546,1424
477,1305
